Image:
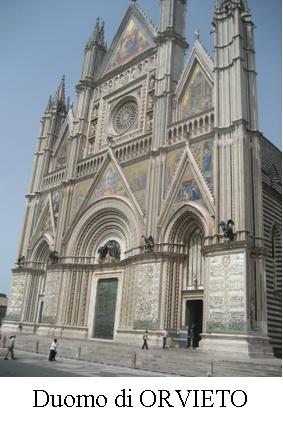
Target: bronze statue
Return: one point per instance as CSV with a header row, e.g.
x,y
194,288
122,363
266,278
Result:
x,y
54,257
20,262
111,249
148,243
227,229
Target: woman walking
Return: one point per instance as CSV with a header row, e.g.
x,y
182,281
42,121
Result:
x,y
145,338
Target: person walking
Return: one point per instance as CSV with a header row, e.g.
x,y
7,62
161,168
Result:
x,y
192,336
11,348
145,338
164,336
53,351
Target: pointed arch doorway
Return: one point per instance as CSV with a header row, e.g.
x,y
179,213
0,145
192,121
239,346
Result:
x,y
186,271
193,283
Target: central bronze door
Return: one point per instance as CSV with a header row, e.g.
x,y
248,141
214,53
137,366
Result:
x,y
105,308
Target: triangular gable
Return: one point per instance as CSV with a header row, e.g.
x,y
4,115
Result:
x,y
45,223
188,186
60,158
61,148
109,182
195,89
135,35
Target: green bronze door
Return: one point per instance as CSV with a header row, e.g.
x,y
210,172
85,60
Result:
x,y
105,308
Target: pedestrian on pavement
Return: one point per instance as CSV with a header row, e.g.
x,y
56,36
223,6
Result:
x,y
21,327
145,338
11,348
53,351
164,335
192,336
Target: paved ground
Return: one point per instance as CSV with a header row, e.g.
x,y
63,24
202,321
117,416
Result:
x,y
35,365
100,358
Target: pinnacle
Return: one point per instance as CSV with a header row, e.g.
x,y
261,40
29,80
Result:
x,y
60,93
242,3
97,35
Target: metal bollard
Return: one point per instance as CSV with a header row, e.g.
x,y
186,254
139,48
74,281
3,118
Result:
x,y
134,360
4,341
37,346
210,373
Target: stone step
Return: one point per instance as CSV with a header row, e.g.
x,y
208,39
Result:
x,y
181,362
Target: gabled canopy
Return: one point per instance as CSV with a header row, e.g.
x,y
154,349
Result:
x,y
194,91
135,35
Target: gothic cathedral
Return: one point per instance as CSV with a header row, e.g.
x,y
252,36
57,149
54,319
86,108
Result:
x,y
155,202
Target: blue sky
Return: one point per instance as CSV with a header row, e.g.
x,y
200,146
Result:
x,y
42,40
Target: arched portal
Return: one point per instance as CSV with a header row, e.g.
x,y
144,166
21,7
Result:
x,y
34,301
186,275
97,295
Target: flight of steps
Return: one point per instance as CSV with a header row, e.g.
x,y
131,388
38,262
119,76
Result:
x,y
181,362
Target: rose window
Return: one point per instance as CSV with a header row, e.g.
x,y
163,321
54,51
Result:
x,y
125,117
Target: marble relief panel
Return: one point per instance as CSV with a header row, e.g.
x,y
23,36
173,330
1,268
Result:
x,y
147,297
226,293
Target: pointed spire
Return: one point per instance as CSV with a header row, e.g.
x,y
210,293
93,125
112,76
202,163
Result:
x,y
60,93
95,35
101,35
197,34
49,104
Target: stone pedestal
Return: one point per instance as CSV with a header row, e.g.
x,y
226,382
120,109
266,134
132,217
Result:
x,y
241,345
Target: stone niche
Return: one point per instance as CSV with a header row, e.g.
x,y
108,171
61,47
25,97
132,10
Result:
x,y
226,302
147,297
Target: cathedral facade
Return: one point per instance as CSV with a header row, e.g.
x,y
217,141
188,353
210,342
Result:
x,y
155,202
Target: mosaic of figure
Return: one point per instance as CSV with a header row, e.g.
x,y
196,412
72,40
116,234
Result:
x,y
202,152
136,175
172,162
61,157
80,192
109,184
132,42
47,224
56,201
198,95
189,190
